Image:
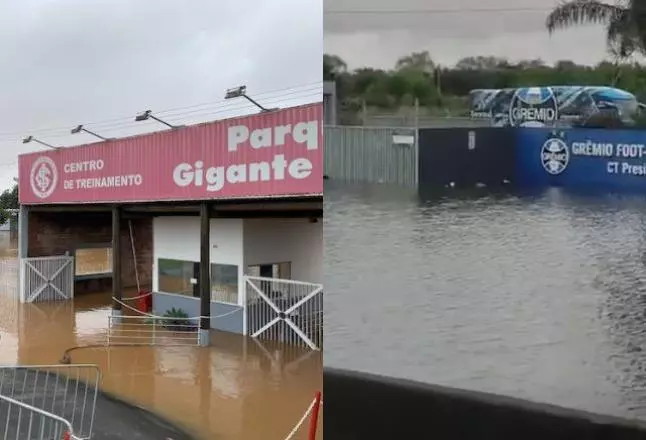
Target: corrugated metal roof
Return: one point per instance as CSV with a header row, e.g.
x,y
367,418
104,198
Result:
x,y
144,168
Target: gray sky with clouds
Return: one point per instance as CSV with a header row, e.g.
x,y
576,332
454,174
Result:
x,y
66,62
452,29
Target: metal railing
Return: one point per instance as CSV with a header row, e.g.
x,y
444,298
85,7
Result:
x,y
147,329
284,311
26,422
62,393
9,271
46,278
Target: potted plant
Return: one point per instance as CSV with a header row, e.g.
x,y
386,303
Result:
x,y
177,320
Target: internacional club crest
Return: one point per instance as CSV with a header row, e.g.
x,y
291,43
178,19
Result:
x,y
43,177
555,155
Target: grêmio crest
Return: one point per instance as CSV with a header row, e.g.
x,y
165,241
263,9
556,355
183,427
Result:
x,y
555,153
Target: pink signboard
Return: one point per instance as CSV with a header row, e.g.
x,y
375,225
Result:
x,y
264,155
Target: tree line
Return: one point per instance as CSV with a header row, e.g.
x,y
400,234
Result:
x,y
8,201
418,77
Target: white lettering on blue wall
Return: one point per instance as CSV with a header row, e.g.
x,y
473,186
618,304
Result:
x,y
589,148
626,168
630,150
627,157
633,169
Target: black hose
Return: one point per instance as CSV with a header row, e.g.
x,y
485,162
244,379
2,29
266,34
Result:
x,y
67,357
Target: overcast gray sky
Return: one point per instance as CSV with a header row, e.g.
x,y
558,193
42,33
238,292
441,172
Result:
x,y
66,62
452,29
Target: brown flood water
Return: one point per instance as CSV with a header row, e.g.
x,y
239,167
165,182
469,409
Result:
x,y
237,389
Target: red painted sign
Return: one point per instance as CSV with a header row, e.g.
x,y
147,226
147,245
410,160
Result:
x,y
264,155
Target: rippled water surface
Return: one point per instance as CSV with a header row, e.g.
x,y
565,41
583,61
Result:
x,y
538,296
236,389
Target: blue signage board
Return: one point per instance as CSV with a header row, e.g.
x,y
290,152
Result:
x,y
612,159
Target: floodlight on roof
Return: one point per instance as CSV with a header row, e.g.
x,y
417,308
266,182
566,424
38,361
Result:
x,y
29,139
241,92
148,114
80,128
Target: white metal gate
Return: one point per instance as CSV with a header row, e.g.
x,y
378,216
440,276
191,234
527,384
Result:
x,y
284,311
46,278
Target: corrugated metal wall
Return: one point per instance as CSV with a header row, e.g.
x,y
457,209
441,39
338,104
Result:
x,y
370,154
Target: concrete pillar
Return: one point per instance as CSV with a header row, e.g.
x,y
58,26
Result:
x,y
116,260
205,274
23,246
23,231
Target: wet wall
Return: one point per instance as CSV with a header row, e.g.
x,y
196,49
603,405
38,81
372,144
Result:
x,y
463,157
607,158
359,406
229,316
55,233
612,159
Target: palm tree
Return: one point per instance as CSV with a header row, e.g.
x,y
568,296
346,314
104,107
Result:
x,y
333,66
625,22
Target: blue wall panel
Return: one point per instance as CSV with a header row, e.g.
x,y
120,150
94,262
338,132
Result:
x,y
610,159
231,322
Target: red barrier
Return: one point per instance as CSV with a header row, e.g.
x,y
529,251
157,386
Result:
x,y
149,302
314,418
144,301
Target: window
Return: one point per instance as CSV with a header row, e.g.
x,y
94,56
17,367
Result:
x,y
224,283
177,276
93,261
271,270
182,277
581,105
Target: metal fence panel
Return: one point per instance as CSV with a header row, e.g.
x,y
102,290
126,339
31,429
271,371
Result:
x,y
21,421
371,154
153,330
285,311
9,270
67,391
47,278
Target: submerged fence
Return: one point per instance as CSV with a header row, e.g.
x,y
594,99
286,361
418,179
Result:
x,y
147,329
47,278
371,154
284,311
9,272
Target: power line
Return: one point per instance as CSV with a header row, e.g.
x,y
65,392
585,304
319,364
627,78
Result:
x,y
260,95
433,11
306,95
122,120
310,92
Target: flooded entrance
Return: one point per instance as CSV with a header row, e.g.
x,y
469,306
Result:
x,y
238,388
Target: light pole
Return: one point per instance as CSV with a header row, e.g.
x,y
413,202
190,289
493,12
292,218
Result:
x,y
241,91
28,139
